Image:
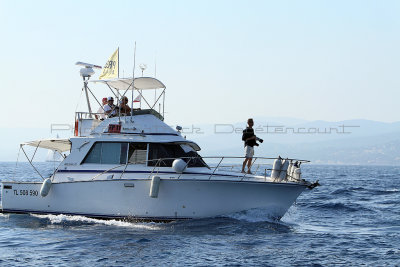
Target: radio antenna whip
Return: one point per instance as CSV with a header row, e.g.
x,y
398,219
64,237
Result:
x,y
155,65
133,79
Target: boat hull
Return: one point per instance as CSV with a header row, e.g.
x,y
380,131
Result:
x,y
129,199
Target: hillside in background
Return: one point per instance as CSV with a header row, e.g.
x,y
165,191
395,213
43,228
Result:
x,y
350,142
353,142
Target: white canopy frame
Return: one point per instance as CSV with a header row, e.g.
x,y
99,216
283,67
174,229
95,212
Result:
x,y
59,145
136,84
139,83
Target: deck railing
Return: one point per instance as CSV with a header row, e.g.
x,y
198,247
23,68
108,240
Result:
x,y
85,122
214,165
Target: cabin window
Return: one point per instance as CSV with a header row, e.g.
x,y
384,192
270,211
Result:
x,y
164,154
137,153
107,153
94,154
111,153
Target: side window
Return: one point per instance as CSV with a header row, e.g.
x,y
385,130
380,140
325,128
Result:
x,y
137,153
94,154
107,153
111,153
165,154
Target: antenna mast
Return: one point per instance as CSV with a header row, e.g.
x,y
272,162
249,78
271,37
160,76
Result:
x,y
155,65
87,95
86,73
133,79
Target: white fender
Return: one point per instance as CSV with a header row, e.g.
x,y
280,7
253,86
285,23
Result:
x,y
179,165
297,173
276,168
154,186
289,171
44,190
283,172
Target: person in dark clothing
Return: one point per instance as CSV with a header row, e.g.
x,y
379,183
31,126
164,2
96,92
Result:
x,y
249,142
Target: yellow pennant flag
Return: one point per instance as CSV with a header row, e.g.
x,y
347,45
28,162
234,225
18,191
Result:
x,y
111,68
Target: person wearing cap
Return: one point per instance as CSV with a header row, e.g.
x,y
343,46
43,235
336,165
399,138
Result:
x,y
124,108
110,110
100,112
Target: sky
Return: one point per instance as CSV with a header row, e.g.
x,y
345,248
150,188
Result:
x,y
222,61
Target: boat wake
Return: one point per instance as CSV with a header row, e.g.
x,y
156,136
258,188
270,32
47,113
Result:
x,y
253,215
61,219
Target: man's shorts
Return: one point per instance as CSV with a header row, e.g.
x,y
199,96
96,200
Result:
x,y
249,151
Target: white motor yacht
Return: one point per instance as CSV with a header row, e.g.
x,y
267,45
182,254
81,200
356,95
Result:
x,y
136,167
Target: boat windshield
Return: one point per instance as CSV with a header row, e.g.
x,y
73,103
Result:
x,y
117,153
136,153
168,152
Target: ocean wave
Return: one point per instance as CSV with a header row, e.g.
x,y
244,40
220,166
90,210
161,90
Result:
x,y
389,202
356,188
393,190
347,191
385,192
342,192
60,219
253,215
339,206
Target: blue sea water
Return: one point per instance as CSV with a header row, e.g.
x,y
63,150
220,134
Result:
x,y
352,219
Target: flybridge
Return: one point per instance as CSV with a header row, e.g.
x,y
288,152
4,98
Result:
x,y
143,88
119,88
144,123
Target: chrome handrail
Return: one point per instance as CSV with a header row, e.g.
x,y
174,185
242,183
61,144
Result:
x,y
209,178
158,163
251,165
79,115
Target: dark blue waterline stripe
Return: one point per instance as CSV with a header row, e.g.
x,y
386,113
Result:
x,y
165,172
97,215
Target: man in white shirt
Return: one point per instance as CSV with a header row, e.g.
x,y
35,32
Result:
x,y
100,112
110,110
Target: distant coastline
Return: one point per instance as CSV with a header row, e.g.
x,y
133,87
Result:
x,y
366,142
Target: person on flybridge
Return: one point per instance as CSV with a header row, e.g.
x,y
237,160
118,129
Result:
x,y
250,140
125,109
110,109
100,112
